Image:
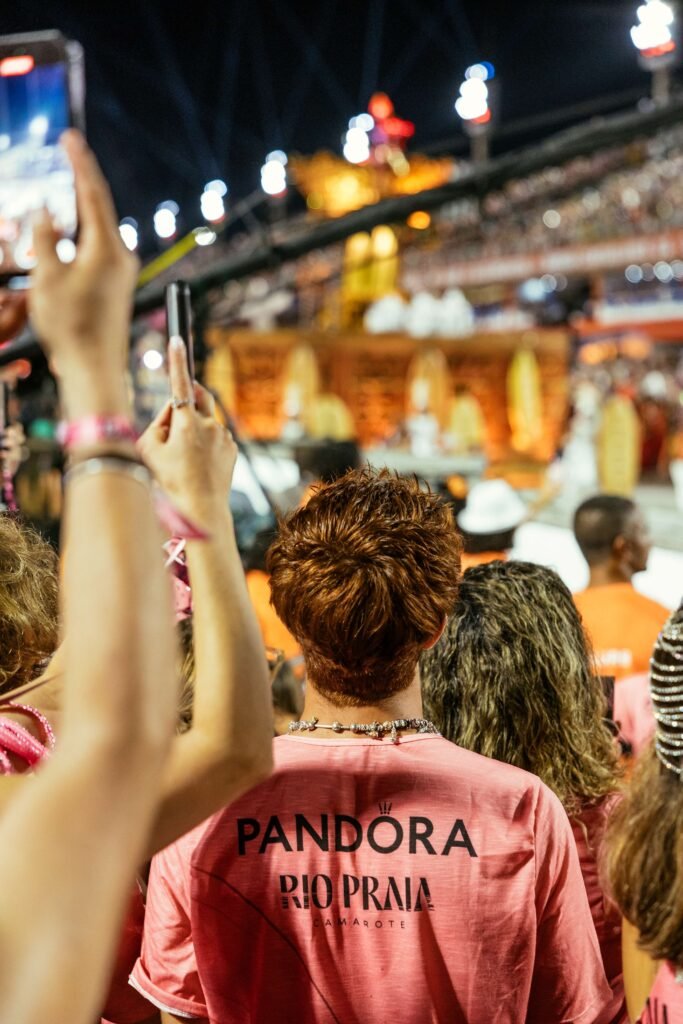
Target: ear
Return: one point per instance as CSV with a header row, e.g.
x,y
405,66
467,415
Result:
x,y
433,640
620,547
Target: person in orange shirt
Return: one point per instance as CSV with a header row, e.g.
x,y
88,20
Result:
x,y
275,633
622,623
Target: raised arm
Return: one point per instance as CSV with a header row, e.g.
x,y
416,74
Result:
x,y
71,840
228,748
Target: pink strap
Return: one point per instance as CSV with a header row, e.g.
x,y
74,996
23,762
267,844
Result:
x,y
90,430
173,521
182,591
15,739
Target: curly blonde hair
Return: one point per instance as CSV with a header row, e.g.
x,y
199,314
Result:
x,y
29,585
513,678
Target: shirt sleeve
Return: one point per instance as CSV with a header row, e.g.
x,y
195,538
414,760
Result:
x,y
569,983
166,972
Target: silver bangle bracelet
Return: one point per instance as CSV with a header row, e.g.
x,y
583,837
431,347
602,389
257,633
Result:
x,y
109,464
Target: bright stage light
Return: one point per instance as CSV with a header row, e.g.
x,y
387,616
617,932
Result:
x,y
165,223
364,121
218,186
128,229
212,205
357,145
653,31
274,173
477,71
205,236
472,103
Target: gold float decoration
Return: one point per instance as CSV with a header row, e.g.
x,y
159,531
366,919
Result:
x,y
301,380
618,447
465,423
329,418
525,406
429,385
333,187
220,376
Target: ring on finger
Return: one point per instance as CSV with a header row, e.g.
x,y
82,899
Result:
x,y
181,403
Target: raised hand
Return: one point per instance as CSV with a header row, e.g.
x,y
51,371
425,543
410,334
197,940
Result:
x,y
191,455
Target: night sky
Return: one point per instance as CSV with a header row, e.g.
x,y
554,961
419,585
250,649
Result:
x,y
179,93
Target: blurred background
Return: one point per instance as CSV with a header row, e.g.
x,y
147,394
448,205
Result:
x,y
445,237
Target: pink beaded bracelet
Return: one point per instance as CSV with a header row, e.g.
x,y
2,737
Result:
x,y
89,430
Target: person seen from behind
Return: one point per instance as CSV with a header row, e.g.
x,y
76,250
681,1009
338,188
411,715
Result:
x,y
622,623
513,678
645,848
382,870
488,522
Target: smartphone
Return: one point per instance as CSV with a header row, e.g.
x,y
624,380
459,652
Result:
x,y
42,93
5,395
179,318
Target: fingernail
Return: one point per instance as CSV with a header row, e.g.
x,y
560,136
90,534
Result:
x,y
176,343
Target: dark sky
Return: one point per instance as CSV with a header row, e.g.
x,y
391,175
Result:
x,y
181,92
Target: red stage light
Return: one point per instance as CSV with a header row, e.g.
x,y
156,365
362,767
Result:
x,y
396,127
16,65
659,51
380,106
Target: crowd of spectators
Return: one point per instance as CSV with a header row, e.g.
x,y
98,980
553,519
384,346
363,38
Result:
x,y
426,840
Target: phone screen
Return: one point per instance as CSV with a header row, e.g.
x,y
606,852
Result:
x,y
34,170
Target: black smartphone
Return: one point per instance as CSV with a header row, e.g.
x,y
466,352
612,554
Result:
x,y
5,395
179,317
42,93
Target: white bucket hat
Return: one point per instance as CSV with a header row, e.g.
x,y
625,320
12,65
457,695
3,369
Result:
x,y
492,507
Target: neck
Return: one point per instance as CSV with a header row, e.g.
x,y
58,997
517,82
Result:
x,y
406,704
610,572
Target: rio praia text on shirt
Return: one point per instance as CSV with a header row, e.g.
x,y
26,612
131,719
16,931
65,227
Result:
x,y
320,892
342,833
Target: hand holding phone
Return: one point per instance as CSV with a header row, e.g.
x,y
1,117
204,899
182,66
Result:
x,y
41,95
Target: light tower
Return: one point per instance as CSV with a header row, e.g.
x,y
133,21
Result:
x,y
654,39
473,105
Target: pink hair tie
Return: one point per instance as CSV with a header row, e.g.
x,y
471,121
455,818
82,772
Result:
x,y
15,739
90,430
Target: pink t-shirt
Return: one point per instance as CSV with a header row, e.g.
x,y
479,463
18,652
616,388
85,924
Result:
x,y
589,832
124,1005
665,1003
633,711
366,882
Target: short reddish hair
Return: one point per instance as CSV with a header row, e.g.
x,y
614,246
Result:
x,y
363,577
